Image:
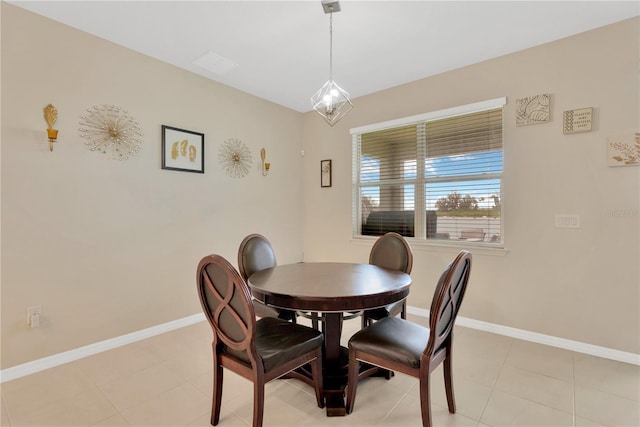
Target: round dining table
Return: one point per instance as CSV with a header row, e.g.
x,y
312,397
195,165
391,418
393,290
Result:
x,y
332,289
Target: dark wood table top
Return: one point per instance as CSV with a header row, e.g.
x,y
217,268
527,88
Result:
x,y
329,286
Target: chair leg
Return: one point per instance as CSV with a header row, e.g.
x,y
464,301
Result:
x,y
258,402
352,381
425,400
217,393
316,373
448,382
387,374
314,321
403,313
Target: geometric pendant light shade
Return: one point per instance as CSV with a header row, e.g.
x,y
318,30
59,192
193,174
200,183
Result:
x,y
331,101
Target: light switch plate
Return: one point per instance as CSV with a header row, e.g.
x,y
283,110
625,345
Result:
x,y
567,221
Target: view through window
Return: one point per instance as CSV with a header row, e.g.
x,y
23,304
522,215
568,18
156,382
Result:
x,y
435,177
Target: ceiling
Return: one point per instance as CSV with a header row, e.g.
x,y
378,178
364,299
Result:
x,y
281,48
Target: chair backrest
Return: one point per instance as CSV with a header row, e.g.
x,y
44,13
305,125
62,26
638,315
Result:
x,y
446,301
226,302
255,254
392,251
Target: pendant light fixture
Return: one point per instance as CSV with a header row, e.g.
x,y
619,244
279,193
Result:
x,y
331,101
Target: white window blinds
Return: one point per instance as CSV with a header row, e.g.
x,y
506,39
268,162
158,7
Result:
x,y
438,177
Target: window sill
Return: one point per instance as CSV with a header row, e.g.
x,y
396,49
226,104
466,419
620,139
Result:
x,y
479,248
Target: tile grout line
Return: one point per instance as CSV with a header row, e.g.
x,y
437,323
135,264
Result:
x,y
493,387
404,396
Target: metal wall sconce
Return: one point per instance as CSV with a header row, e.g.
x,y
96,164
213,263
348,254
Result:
x,y
265,165
50,116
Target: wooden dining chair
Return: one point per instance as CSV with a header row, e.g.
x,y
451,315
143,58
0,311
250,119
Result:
x,y
258,350
391,251
255,254
412,349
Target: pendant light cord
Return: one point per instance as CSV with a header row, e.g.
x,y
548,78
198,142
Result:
x,y
331,45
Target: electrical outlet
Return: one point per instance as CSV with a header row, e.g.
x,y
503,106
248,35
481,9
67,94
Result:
x,y
34,316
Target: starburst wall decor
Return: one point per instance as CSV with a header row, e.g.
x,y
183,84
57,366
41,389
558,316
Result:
x,y
111,130
235,158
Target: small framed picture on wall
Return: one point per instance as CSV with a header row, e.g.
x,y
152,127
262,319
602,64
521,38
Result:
x,y
325,173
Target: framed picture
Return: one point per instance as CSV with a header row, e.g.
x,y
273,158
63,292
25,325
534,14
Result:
x,y
325,173
182,150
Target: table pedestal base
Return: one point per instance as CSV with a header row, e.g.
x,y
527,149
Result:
x,y
334,402
335,291
335,381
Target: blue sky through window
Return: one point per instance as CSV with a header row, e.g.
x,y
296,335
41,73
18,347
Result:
x,y
464,166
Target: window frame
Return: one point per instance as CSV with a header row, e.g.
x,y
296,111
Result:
x,y
421,179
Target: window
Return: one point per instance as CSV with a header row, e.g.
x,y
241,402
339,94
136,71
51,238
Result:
x,y
435,177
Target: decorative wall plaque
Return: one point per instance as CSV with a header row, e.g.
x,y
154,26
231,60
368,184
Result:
x,y
577,121
532,110
623,150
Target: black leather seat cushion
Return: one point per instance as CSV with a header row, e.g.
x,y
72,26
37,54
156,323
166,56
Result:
x,y
390,310
264,310
393,339
279,341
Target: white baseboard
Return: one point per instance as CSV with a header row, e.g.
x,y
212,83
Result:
x,y
69,356
580,347
91,349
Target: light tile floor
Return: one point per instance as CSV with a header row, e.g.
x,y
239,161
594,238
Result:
x,y
166,381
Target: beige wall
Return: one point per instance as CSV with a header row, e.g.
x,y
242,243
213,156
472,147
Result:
x,y
578,284
111,247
